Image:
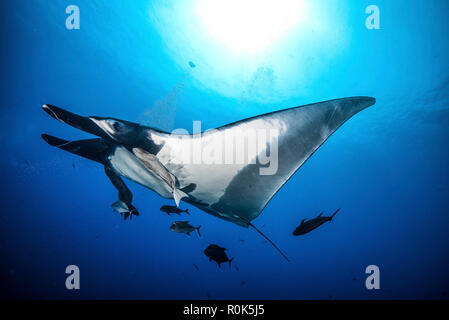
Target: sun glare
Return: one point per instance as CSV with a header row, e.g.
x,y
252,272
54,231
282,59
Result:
x,y
249,25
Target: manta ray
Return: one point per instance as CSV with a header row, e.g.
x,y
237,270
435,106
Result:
x,y
235,191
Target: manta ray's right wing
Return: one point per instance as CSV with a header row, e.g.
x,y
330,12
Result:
x,y
238,192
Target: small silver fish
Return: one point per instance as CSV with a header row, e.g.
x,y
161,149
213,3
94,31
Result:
x,y
184,227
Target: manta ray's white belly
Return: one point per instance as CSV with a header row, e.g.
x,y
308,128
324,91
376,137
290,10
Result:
x,y
126,164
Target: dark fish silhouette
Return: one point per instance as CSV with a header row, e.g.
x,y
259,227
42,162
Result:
x,y
307,226
196,267
243,283
216,253
184,227
173,209
191,64
236,268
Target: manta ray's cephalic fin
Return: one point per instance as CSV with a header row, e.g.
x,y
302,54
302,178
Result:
x,y
74,120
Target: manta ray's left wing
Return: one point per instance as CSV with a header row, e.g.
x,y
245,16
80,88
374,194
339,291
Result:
x,y
237,190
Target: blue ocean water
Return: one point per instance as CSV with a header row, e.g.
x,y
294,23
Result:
x,y
163,64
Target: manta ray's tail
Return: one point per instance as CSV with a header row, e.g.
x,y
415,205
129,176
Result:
x,y
269,240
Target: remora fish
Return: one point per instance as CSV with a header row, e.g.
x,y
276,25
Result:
x,y
173,209
153,164
307,226
184,227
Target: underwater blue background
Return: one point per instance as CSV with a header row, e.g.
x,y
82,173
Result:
x,y
387,167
